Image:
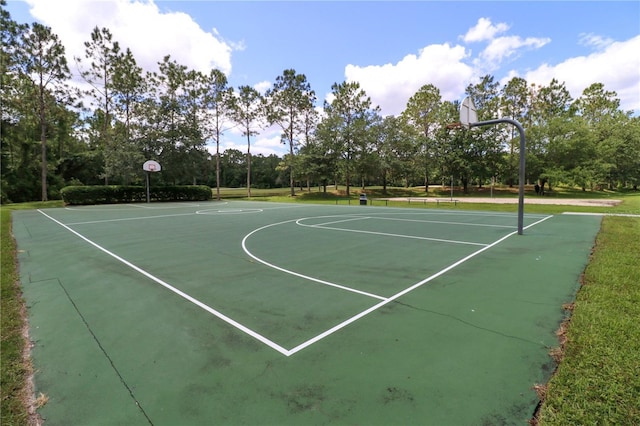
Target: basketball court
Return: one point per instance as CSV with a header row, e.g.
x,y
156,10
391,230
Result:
x,y
272,313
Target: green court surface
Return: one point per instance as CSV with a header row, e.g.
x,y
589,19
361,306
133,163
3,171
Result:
x,y
255,313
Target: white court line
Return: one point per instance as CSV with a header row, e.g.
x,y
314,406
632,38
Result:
x,y
444,222
287,271
182,294
402,293
211,212
385,234
141,206
130,218
337,221
259,337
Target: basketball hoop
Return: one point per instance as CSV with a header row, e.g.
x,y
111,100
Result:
x,y
469,118
151,166
454,125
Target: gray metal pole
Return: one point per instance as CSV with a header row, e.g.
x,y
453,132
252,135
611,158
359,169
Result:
x,y
522,157
451,187
148,195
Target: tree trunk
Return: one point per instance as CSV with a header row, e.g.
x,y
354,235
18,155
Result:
x,y
43,142
384,182
248,166
291,183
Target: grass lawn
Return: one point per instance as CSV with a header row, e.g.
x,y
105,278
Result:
x,y
597,381
15,369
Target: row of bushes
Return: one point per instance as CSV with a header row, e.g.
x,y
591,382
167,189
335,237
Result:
x,y
111,194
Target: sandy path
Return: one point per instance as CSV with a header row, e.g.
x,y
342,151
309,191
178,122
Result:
x,y
528,200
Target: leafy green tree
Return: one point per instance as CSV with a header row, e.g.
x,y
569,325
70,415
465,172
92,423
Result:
x,y
514,104
180,101
397,148
571,150
10,35
323,152
233,168
596,104
367,160
219,101
11,128
348,117
128,93
484,149
44,66
195,155
264,171
548,103
287,106
421,114
627,152
248,113
102,53
615,145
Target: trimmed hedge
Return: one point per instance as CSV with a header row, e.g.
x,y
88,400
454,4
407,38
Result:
x,y
112,194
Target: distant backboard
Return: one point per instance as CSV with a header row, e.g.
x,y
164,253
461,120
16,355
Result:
x,y
151,166
468,112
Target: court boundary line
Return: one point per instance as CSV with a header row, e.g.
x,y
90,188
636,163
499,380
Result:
x,y
403,292
180,293
258,336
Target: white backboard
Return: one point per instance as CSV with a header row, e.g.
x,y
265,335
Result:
x,y
468,112
151,166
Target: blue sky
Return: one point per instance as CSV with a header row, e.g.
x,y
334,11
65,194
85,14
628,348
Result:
x,y
390,48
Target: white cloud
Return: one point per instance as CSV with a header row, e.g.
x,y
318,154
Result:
x,y
265,144
262,86
391,85
447,67
502,48
139,25
616,67
596,41
484,30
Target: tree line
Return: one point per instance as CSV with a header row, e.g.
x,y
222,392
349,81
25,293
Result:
x,y
55,134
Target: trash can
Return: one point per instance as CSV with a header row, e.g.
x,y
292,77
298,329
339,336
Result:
x,y
363,199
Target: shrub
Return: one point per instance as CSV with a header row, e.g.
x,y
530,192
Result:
x,y
112,194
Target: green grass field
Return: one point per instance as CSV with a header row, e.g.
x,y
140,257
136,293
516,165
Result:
x,y
598,380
